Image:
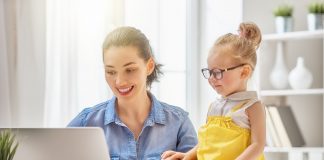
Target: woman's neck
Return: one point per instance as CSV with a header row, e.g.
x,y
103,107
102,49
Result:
x,y
133,112
135,108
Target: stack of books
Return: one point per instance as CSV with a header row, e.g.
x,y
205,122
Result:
x,y
282,128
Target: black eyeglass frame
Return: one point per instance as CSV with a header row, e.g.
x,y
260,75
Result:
x,y
218,73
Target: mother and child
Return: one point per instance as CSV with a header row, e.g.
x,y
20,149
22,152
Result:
x,y
139,126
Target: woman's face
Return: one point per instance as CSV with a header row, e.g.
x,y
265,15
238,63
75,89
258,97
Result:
x,y
126,72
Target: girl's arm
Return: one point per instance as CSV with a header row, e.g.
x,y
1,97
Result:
x,y
256,114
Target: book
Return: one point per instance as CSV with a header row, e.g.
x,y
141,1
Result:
x,y
279,126
272,139
291,126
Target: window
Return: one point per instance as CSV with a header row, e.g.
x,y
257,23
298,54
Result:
x,y
164,23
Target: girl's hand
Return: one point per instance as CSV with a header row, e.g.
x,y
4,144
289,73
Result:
x,y
172,155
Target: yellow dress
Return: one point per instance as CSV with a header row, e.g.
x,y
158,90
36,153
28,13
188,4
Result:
x,y
221,139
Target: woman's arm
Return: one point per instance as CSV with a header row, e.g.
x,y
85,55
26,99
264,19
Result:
x,y
256,114
187,136
187,141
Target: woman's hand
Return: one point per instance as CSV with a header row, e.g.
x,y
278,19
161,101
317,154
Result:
x,y
172,155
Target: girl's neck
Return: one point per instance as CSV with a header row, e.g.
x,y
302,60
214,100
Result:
x,y
243,89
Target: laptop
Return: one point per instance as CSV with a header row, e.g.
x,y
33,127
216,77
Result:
x,y
85,143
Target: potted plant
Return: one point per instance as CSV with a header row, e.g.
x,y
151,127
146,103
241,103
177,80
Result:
x,y
315,15
283,15
7,146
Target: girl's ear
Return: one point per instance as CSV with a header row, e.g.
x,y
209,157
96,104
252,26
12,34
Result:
x,y
150,66
246,71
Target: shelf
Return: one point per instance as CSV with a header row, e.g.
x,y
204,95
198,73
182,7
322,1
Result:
x,y
298,35
293,149
292,92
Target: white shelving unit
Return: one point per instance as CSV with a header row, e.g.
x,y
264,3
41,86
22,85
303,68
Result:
x,y
302,101
290,92
295,153
300,35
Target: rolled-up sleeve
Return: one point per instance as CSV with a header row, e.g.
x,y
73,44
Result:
x,y
187,136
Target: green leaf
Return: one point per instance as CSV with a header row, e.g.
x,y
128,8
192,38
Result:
x,y
316,7
12,154
8,146
284,10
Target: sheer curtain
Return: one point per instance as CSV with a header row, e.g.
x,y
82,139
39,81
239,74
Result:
x,y
74,68
51,60
53,56
5,113
22,64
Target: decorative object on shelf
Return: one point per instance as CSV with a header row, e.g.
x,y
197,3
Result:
x,y
279,73
300,77
283,17
315,16
7,146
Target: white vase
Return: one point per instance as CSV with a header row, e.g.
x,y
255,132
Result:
x,y
284,24
300,77
279,73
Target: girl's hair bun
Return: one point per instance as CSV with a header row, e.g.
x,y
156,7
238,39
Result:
x,y
251,32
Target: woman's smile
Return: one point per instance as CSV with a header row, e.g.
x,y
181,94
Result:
x,y
125,91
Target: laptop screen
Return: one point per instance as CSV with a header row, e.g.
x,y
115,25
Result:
x,y
85,143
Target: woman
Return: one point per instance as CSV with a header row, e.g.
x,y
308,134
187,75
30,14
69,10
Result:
x,y
136,124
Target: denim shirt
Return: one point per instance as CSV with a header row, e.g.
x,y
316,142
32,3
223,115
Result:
x,y
166,128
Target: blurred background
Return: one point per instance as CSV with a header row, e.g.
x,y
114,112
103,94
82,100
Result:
x,y
51,58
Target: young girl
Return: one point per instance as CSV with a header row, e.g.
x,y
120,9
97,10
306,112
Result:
x,y
235,127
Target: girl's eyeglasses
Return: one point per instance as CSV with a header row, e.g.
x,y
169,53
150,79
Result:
x,y
217,73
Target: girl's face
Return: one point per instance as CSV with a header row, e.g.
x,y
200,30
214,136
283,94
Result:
x,y
232,80
126,72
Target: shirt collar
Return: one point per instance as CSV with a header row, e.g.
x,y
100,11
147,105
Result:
x,y
244,95
110,113
156,115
